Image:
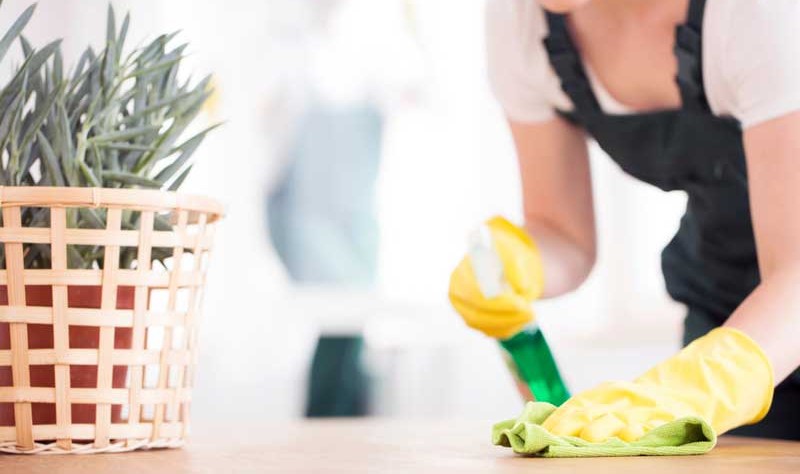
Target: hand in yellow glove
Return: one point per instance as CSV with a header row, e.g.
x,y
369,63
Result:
x,y
504,315
722,377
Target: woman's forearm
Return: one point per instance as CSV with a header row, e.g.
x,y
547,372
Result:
x,y
566,263
771,316
557,200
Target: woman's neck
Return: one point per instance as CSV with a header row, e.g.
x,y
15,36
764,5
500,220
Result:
x,y
648,12
628,44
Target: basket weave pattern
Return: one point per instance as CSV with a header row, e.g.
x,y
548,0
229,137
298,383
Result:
x,y
153,404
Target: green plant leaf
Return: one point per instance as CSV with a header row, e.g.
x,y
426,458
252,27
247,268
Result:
x,y
130,179
123,33
111,25
24,163
109,66
67,148
156,46
78,74
97,158
58,67
168,138
113,160
161,223
75,259
168,101
27,49
157,67
15,30
92,218
126,146
180,179
187,149
38,118
9,114
38,58
125,134
92,180
50,159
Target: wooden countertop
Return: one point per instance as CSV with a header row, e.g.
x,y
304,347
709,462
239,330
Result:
x,y
360,446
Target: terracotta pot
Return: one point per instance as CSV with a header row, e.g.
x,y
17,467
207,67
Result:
x,y
40,336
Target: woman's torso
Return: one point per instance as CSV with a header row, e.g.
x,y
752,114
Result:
x,y
711,263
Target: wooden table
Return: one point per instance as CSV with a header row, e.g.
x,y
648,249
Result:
x,y
378,446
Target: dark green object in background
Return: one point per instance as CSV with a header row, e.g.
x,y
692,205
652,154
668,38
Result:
x,y
338,384
532,362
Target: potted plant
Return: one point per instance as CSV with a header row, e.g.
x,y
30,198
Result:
x,y
116,120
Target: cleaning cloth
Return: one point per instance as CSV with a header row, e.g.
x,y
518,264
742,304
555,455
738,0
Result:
x,y
525,435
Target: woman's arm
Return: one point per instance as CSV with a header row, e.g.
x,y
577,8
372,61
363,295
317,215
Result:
x,y
557,200
771,314
727,376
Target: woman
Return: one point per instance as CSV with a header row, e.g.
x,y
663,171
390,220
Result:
x,y
693,95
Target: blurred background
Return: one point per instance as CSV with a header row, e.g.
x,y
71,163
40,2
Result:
x,y
361,144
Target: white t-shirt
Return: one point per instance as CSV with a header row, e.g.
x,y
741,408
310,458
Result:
x,y
751,61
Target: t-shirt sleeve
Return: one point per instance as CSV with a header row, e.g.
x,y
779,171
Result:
x,y
518,68
757,57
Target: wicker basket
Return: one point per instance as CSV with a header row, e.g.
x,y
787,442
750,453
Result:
x,y
144,320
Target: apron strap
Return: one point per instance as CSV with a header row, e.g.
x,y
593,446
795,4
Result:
x,y
566,62
689,53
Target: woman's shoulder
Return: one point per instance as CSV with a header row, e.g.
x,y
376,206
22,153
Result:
x,y
755,21
522,18
752,58
518,66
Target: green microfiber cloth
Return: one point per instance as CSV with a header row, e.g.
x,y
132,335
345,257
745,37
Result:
x,y
525,435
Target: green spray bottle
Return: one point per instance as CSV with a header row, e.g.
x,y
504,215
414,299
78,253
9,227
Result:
x,y
527,353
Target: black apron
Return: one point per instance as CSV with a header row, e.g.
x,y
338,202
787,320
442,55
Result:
x,y
710,265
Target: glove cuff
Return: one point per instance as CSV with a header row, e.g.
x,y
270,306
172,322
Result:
x,y
723,377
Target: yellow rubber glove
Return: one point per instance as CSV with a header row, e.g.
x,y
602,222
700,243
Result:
x,y
722,377
506,314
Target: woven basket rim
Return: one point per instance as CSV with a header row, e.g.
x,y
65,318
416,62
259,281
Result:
x,y
145,199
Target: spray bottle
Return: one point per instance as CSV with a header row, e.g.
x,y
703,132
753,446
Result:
x,y
527,353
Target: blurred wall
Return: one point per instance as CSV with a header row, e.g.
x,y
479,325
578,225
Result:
x,y
448,163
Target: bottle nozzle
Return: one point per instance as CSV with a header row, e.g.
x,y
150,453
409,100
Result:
x,y
486,263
